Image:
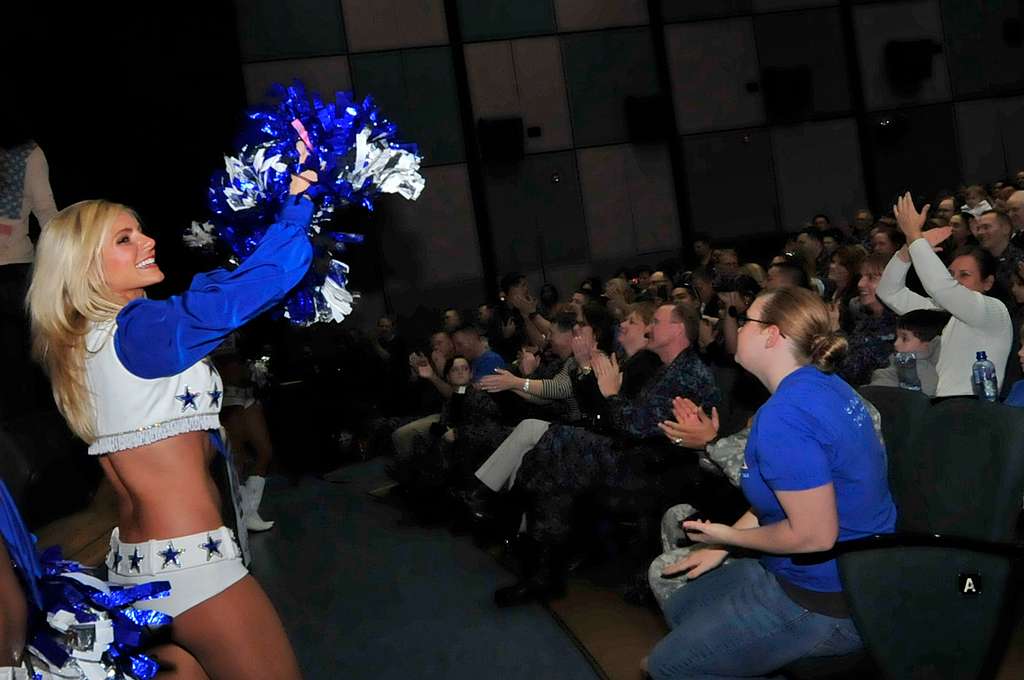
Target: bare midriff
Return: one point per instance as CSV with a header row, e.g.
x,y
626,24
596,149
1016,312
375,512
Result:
x,y
164,489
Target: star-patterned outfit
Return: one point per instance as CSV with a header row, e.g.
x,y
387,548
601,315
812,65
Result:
x,y
151,379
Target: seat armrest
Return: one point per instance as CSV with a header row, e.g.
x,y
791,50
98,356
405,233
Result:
x,y
911,540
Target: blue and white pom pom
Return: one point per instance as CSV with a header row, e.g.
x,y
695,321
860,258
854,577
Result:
x,y
89,630
353,149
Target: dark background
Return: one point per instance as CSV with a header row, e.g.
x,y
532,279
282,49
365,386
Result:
x,y
771,111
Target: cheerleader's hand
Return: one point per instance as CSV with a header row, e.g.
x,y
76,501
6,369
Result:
x,y
306,178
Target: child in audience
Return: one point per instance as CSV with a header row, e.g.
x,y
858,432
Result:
x,y
913,365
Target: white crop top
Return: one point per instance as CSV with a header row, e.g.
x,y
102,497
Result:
x,y
131,411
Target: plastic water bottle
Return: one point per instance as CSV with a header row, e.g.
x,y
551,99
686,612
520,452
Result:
x,y
906,370
983,378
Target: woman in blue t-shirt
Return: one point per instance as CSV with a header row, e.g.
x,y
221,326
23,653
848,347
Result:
x,y
814,473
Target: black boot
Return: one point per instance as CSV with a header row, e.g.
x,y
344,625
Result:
x,y
480,501
543,579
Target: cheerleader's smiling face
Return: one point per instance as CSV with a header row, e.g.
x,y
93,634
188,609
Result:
x,y
129,258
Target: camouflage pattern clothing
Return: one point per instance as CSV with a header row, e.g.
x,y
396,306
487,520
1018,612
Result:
x,y
569,461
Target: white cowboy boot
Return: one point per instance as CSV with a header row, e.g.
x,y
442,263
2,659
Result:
x,y
252,494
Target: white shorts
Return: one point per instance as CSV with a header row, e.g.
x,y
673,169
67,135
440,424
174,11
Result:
x,y
198,567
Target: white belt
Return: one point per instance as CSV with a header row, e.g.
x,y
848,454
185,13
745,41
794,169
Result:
x,y
169,555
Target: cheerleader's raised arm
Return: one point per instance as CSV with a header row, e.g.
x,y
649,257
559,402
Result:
x,y
159,338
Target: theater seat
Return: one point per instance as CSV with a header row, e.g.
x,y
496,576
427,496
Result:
x,y
935,599
900,410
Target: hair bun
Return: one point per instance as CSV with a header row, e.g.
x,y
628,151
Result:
x,y
827,351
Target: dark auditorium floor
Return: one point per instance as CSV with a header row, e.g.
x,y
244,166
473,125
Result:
x,y
365,595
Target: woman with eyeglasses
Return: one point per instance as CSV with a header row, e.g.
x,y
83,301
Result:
x,y
814,472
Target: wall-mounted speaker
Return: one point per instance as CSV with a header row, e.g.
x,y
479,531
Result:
x,y
908,63
788,92
648,119
501,139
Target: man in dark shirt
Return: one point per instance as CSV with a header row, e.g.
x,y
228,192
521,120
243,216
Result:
x,y
994,230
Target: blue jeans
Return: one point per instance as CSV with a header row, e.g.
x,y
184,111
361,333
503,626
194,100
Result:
x,y
736,622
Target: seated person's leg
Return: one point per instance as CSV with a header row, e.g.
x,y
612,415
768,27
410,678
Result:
x,y
499,471
404,437
736,621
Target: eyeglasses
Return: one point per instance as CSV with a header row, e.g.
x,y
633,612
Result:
x,y
742,319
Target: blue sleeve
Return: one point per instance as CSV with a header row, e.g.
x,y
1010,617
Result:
x,y
791,456
1016,395
157,338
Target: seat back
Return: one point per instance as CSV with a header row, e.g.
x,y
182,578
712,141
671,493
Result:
x,y
900,410
927,611
920,617
961,472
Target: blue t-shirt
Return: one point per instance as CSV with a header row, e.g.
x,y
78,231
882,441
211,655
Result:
x,y
1016,395
814,430
485,364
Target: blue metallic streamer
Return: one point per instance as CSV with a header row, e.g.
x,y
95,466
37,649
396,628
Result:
x,y
88,604
245,198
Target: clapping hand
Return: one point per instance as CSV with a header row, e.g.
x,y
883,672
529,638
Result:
x,y
834,316
582,351
422,367
528,362
523,301
692,428
609,376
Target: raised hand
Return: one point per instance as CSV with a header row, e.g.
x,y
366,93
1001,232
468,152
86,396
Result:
x,y
910,220
423,367
522,301
306,178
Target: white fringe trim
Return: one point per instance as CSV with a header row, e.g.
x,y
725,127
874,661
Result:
x,y
111,443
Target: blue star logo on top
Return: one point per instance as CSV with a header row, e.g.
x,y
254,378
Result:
x,y
171,555
188,400
215,397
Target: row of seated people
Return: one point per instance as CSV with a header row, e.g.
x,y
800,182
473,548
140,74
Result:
x,y
599,394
